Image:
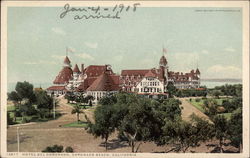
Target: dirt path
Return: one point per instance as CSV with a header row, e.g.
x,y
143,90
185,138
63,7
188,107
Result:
x,y
188,109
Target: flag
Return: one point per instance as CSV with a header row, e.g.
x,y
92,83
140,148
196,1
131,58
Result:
x,y
69,50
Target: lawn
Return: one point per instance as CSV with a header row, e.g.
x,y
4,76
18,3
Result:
x,y
227,115
82,106
198,105
10,107
76,124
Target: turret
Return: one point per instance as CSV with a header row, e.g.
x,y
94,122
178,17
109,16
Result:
x,y
66,62
76,72
198,73
163,66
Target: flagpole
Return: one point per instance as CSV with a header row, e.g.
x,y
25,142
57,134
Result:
x,y
67,49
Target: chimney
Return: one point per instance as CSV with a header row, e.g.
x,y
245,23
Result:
x,y
82,68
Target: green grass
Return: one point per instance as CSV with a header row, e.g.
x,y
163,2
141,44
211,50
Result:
x,y
82,107
227,115
198,105
76,124
10,107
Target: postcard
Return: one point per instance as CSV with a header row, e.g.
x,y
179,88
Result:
x,y
125,79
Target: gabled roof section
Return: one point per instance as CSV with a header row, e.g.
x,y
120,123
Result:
x,y
96,70
150,74
105,82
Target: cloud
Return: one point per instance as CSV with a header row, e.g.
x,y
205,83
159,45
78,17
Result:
x,y
30,63
183,61
85,56
229,49
58,30
91,45
40,62
222,71
204,51
59,57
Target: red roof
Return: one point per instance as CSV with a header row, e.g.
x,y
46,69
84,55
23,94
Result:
x,y
150,74
105,82
56,88
66,60
134,72
64,76
76,69
96,70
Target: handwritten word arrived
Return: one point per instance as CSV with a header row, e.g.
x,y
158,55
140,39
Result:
x,y
97,12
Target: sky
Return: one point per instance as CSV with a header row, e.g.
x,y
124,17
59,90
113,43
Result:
x,y
37,41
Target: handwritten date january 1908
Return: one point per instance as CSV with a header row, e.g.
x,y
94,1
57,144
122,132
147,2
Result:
x,y
98,12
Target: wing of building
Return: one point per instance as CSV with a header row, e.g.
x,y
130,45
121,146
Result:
x,y
100,80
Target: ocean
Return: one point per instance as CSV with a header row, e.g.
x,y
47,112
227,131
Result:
x,y
212,84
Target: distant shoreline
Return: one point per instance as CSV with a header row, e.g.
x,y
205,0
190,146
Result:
x,y
222,80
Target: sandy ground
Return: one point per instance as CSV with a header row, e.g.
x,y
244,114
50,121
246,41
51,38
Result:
x,y
37,136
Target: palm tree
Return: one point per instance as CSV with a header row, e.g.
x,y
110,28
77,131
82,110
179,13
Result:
x,y
77,110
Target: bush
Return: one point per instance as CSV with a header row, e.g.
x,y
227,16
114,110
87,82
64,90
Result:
x,y
197,100
25,120
9,119
69,149
55,148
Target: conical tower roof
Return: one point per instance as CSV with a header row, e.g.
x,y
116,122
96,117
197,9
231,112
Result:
x,y
76,69
163,61
66,60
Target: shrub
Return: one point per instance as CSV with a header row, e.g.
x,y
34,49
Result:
x,y
69,149
197,100
25,120
55,148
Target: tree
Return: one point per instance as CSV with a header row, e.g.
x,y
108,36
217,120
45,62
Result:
x,y
77,110
13,96
171,89
104,118
136,119
235,129
220,129
70,97
184,134
25,91
44,103
216,93
24,110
